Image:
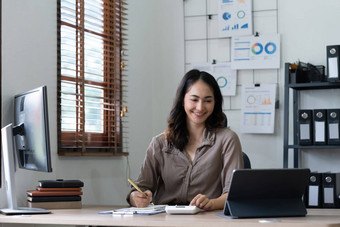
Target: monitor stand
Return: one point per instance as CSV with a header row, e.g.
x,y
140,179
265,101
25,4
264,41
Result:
x,y
9,169
24,210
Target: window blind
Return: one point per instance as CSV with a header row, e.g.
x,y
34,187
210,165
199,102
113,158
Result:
x,y
91,72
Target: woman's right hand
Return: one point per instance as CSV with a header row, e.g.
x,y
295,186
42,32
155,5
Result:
x,y
137,199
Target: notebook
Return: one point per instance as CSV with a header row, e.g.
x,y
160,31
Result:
x,y
149,210
267,193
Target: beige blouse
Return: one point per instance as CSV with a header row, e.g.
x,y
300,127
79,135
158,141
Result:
x,y
173,179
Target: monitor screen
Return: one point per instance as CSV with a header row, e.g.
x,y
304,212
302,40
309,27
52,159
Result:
x,y
28,140
31,130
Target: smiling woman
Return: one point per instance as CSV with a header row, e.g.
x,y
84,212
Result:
x,y
199,103
191,163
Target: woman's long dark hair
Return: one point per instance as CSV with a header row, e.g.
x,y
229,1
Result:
x,y
177,133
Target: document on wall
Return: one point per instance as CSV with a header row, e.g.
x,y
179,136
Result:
x,y
224,75
234,18
255,52
258,108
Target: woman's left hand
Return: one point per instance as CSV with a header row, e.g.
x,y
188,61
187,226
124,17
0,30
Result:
x,y
202,202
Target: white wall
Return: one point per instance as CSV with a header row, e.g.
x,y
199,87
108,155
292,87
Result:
x,y
156,64
306,28
29,60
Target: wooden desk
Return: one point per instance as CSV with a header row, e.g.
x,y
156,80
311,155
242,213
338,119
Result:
x,y
90,216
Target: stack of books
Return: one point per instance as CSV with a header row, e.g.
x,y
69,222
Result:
x,y
56,194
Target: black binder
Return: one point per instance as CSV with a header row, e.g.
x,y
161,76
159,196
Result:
x,y
319,127
333,63
314,191
257,193
305,124
330,190
333,125
60,183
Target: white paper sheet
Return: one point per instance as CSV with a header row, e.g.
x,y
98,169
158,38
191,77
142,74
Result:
x,y
224,75
333,131
304,132
320,131
255,52
234,18
313,198
258,108
333,68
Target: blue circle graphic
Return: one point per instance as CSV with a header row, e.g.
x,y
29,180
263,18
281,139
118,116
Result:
x,y
226,16
272,45
222,81
241,14
259,48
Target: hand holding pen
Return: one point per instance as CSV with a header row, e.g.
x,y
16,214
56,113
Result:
x,y
139,198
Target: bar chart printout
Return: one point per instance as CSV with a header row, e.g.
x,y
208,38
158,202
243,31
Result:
x,y
234,18
258,108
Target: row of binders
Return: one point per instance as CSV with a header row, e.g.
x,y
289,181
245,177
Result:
x,y
323,190
59,194
319,126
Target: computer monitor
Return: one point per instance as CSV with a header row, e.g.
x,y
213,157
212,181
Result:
x,y
27,141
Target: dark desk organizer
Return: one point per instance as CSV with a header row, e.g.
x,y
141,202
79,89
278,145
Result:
x,y
306,73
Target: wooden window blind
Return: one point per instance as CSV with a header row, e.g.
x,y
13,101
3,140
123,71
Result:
x,y
91,69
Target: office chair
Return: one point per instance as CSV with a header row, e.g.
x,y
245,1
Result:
x,y
246,161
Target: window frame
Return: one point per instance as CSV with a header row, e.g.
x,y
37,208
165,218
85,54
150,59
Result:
x,y
79,142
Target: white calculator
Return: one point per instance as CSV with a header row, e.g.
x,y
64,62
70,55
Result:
x,y
179,209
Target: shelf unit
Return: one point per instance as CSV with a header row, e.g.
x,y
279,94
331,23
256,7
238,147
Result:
x,y
296,88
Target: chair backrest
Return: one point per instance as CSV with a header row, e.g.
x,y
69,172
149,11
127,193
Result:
x,y
246,161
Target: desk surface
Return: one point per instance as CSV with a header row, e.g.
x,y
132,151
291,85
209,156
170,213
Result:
x,y
89,216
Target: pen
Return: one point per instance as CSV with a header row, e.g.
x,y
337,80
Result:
x,y
136,187
123,212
